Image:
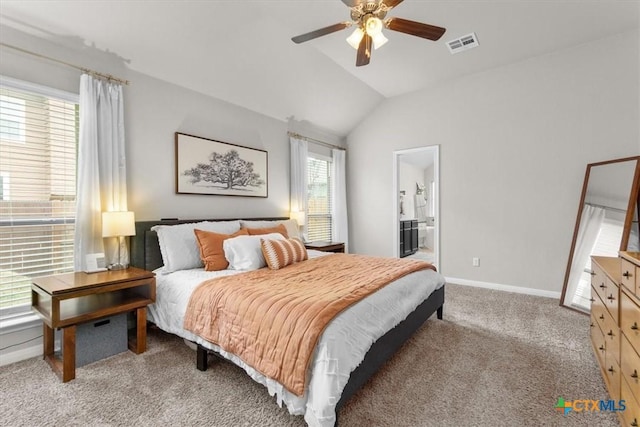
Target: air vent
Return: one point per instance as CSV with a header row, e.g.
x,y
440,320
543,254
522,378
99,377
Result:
x,y
463,43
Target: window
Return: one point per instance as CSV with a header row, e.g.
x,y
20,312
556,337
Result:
x,y
4,186
37,217
12,118
319,221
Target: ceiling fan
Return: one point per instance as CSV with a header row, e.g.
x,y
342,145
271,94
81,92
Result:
x,y
369,19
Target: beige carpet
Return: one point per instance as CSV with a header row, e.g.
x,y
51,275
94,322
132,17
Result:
x,y
497,359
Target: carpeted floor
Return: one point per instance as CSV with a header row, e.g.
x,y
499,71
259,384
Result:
x,y
496,359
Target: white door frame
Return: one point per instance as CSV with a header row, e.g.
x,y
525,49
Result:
x,y
436,198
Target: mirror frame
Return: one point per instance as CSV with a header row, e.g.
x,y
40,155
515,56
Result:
x,y
632,207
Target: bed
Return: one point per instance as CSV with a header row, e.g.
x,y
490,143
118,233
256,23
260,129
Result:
x,y
329,387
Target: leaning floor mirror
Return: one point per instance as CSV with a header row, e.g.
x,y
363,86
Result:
x,y
607,222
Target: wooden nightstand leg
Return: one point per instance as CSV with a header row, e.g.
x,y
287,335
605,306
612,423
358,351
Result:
x,y
65,368
69,353
139,343
48,340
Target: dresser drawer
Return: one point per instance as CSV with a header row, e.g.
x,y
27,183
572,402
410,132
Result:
x,y
599,281
612,299
612,339
598,309
612,373
631,415
629,276
630,319
630,366
597,340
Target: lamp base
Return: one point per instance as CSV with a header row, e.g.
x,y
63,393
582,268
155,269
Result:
x,y
114,267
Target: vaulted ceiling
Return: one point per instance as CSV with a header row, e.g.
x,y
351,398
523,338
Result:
x,y
241,51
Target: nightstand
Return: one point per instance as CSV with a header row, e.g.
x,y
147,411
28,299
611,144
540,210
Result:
x,y
325,246
67,300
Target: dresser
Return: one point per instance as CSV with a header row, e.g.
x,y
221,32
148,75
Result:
x,y
614,328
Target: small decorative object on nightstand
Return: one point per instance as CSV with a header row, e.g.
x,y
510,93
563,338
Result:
x,y
67,300
325,246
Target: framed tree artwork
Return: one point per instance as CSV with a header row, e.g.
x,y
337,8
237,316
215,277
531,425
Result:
x,y
206,166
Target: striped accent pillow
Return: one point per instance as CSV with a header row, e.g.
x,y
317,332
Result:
x,y
280,253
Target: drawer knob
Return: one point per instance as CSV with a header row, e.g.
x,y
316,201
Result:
x,y
610,297
592,273
635,374
601,348
603,286
634,423
592,299
634,326
610,333
627,274
591,325
611,369
602,317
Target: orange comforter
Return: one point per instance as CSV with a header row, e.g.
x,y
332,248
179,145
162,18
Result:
x,y
272,319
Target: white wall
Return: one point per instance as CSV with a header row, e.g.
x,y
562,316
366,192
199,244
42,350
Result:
x,y
515,142
155,110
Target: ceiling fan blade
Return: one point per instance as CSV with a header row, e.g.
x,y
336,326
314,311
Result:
x,y
392,3
364,51
426,31
320,32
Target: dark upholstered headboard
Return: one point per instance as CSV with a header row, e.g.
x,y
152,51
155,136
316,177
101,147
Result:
x,y
145,249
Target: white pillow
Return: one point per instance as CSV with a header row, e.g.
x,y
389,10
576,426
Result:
x,y
245,253
290,224
178,243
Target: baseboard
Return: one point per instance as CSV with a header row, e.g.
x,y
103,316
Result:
x,y
19,355
506,288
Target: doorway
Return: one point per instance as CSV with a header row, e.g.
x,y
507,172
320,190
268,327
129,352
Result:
x,y
416,197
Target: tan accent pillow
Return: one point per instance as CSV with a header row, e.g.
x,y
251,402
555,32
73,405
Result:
x,y
291,225
280,228
211,249
280,253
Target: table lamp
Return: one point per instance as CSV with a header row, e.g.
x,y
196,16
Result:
x,y
118,224
298,216
300,219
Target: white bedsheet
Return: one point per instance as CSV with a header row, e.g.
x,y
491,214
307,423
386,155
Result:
x,y
340,349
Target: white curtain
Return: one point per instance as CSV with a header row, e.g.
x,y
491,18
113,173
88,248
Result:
x,y
588,230
102,178
340,229
298,194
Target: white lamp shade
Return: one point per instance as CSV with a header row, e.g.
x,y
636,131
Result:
x,y
355,38
379,40
116,224
298,216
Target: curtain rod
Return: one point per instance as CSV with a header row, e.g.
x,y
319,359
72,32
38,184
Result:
x,y
605,207
83,69
315,141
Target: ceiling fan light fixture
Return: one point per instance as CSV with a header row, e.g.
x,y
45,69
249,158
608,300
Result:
x,y
379,40
355,38
373,26
369,19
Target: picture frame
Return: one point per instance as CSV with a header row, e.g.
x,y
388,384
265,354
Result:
x,y
207,166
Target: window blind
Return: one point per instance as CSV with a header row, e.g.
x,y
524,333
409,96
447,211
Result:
x,y
319,221
38,151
